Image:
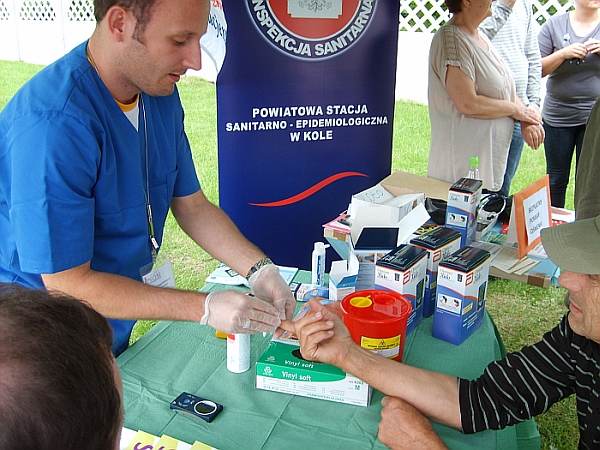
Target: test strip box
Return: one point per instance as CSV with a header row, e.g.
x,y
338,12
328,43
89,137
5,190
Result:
x,y
461,292
403,270
281,368
461,213
439,243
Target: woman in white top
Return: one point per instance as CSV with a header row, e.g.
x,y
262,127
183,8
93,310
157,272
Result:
x,y
472,99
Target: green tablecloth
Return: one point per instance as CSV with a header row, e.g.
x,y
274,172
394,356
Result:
x,y
180,356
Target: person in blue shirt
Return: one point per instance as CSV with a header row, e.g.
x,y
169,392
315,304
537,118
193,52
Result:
x,y
93,153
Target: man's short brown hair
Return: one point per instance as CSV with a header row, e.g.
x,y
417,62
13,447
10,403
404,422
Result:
x,y
142,10
57,374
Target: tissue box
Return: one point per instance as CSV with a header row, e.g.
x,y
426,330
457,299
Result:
x,y
282,369
403,270
461,291
461,214
439,243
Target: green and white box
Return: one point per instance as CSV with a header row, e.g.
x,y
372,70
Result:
x,y
282,369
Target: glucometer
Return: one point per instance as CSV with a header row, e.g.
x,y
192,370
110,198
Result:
x,y
196,406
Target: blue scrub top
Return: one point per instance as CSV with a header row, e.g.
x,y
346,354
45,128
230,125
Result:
x,y
73,177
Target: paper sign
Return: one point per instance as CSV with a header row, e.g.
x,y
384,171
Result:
x,y
201,446
530,214
536,217
167,443
142,441
161,276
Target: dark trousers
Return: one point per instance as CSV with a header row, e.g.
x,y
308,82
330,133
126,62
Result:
x,y
559,145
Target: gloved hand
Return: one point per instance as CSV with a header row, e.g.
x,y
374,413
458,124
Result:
x,y
235,312
267,284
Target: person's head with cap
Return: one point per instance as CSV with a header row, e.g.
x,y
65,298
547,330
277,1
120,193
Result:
x,y
575,248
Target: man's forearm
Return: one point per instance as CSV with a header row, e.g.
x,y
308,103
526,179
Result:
x,y
119,297
213,230
434,394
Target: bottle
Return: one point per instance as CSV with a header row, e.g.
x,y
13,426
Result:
x,y
318,264
238,352
474,168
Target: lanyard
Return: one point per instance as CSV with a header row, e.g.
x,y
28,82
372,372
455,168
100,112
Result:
x,y
153,242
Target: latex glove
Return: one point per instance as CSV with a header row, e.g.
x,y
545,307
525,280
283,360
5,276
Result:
x,y
403,427
235,312
266,283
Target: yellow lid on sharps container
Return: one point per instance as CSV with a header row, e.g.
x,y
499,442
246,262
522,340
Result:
x,y
361,302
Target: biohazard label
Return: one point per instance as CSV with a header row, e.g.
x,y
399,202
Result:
x,y
387,347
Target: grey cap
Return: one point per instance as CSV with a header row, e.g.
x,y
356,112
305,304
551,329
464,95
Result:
x,y
574,247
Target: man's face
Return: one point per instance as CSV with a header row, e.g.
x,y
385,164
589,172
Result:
x,y
168,46
584,304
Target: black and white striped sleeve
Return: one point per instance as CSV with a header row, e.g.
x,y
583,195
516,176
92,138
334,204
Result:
x,y
521,385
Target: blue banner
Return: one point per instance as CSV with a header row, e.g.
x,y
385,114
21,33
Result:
x,y
305,111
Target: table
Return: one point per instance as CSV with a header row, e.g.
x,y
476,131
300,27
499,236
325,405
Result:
x,y
182,356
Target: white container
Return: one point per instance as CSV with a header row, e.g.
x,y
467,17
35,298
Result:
x,y
318,264
238,352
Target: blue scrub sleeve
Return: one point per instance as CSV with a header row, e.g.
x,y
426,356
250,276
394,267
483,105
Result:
x,y
187,181
55,165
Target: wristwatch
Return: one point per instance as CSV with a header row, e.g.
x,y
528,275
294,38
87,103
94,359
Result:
x,y
257,265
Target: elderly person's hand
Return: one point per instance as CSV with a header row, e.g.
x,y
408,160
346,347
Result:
x,y
322,334
267,284
403,427
527,114
532,134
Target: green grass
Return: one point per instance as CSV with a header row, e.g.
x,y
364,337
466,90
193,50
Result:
x,y
522,313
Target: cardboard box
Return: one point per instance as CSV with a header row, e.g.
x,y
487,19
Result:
x,y
461,214
342,277
439,243
461,292
400,183
403,270
281,369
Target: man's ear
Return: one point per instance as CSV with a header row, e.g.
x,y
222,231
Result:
x,y
120,23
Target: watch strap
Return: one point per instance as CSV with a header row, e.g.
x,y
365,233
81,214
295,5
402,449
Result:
x,y
257,265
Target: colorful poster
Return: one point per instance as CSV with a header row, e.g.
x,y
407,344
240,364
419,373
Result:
x,y
305,113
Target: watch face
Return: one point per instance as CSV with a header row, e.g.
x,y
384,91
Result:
x,y
205,407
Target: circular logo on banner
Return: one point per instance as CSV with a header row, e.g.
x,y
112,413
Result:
x,y
311,30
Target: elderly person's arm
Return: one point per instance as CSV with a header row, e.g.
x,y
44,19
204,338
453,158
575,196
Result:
x,y
514,389
323,337
467,101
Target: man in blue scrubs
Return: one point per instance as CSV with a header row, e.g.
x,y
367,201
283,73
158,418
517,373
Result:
x,y
93,153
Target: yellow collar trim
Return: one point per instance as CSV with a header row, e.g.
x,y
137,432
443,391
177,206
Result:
x,y
126,107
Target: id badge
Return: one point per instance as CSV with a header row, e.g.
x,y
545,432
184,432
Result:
x,y
160,276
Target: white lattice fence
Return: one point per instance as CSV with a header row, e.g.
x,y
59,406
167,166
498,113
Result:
x,y
426,16
40,31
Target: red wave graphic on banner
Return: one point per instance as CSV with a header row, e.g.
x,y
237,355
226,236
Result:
x,y
311,190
